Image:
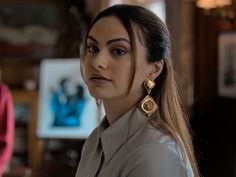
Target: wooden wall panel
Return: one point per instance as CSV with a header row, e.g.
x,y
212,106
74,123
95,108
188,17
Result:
x,y
179,19
214,119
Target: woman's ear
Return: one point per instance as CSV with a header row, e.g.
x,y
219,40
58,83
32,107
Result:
x,y
156,68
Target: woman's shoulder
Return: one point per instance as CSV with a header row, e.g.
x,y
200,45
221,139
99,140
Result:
x,y
154,137
156,147
155,159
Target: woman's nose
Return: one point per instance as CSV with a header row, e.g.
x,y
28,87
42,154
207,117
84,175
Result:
x,y
101,60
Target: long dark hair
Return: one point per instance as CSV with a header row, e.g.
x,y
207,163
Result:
x,y
154,35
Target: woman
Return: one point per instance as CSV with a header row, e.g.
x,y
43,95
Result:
x,y
126,64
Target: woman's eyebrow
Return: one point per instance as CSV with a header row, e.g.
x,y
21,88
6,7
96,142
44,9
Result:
x,y
118,39
93,39
110,41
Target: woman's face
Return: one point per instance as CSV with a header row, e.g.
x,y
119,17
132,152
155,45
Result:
x,y
108,60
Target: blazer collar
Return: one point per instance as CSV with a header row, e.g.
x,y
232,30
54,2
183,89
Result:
x,y
116,134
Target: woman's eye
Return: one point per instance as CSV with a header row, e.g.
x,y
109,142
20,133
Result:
x,y
118,52
92,49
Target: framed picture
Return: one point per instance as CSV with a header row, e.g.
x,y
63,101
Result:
x,y
66,110
227,64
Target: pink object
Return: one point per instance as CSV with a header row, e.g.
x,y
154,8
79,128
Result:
x,y
6,126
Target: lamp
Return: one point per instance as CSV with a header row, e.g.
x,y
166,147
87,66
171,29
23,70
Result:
x,y
210,4
206,4
220,8
221,3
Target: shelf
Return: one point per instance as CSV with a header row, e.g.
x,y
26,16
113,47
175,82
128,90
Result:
x,y
26,139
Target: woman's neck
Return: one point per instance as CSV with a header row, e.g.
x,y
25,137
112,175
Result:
x,y
115,108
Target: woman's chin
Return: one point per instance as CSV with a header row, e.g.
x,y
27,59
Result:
x,y
98,95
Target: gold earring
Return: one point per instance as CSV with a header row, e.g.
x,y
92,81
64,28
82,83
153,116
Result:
x,y
148,106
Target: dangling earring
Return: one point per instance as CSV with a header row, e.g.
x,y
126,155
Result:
x,y
148,106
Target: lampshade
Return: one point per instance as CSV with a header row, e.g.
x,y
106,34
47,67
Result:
x,y
209,4
221,3
206,4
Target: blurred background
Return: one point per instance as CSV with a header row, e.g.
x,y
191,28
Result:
x,y
204,54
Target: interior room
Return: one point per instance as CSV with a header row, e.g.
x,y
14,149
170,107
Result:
x,y
40,50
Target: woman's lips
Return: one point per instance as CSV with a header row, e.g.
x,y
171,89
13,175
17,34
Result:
x,y
99,78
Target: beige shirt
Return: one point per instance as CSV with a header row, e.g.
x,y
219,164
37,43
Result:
x,y
131,147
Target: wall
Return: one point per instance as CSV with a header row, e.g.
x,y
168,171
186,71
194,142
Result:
x,y
214,117
20,63
180,22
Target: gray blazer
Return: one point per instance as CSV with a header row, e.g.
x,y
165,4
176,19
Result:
x,y
131,147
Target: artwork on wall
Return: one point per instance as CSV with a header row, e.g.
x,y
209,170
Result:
x,y
227,64
66,110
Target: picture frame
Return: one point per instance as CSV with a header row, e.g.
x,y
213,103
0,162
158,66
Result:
x,y
227,64
66,110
